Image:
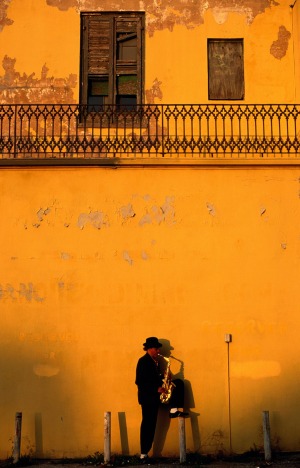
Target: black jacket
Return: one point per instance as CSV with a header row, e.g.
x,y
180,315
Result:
x,y
148,379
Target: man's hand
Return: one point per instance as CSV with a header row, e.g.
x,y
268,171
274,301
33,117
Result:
x,y
161,390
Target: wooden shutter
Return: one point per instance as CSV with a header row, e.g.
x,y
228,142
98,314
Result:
x,y
99,45
100,34
130,27
225,69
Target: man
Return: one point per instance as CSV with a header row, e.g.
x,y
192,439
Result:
x,y
149,381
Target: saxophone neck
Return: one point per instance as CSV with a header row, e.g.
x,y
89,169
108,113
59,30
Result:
x,y
164,357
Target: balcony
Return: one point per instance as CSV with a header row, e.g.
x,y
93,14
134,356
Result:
x,y
153,134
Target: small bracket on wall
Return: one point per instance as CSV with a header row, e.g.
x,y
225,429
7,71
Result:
x,y
228,338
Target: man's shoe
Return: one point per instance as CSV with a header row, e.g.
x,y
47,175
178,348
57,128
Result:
x,y
179,414
147,461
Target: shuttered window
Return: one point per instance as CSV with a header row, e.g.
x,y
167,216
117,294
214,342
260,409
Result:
x,y
112,58
225,69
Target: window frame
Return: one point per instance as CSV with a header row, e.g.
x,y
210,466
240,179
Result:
x,y
114,67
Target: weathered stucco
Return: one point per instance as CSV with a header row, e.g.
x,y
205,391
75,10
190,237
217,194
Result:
x,y
154,92
4,20
22,88
169,13
279,47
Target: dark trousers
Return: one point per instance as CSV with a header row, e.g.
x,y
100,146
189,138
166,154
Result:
x,y
150,411
149,418
177,397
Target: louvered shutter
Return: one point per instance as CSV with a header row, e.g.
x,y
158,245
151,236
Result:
x,y
101,35
98,32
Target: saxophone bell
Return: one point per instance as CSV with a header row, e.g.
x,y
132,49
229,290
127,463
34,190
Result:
x,y
167,383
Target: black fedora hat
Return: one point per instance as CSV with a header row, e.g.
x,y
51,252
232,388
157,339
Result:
x,y
152,342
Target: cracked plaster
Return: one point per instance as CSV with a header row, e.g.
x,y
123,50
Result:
x,y
165,14
16,87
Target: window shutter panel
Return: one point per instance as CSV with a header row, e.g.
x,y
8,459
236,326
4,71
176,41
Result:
x,y
226,69
98,45
131,27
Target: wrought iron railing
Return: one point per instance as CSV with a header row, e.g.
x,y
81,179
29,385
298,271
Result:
x,y
199,132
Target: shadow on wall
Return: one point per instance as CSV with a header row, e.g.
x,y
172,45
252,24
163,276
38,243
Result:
x,y
38,426
123,433
163,421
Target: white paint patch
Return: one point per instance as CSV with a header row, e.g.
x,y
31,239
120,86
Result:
x,y
127,257
65,256
221,14
95,218
44,370
255,369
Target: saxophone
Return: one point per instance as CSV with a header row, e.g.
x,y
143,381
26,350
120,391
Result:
x,y
167,383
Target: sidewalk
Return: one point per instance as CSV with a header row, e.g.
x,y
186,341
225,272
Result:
x,y
280,460
289,460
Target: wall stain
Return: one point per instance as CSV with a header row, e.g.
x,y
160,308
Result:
x,y
24,290
96,218
4,20
211,209
159,214
279,48
127,212
154,92
127,257
42,213
165,14
16,87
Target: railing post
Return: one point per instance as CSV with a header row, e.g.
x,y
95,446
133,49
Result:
x,y
267,438
15,132
107,436
17,438
182,443
162,131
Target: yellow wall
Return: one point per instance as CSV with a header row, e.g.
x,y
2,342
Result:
x,y
46,34
94,260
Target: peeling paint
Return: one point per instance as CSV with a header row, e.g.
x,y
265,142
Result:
x,y
169,13
97,219
127,212
41,213
65,256
127,258
211,209
154,92
279,48
15,88
158,214
146,219
4,20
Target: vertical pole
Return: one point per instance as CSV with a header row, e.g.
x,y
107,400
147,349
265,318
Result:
x,y
107,435
267,438
182,444
17,438
228,340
